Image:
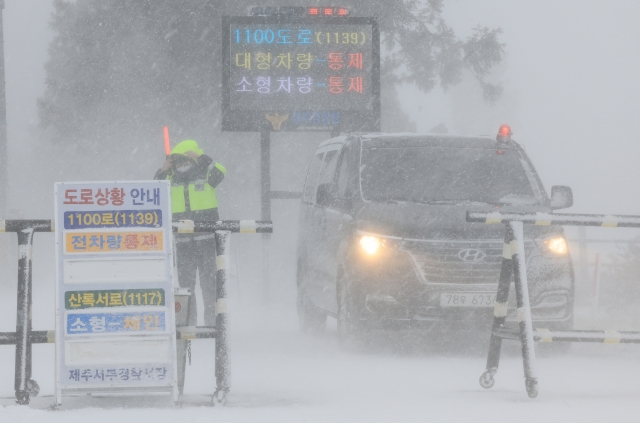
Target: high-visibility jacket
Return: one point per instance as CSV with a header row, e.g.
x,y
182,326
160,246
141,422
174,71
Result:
x,y
198,192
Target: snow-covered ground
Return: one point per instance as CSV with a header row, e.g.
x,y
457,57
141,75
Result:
x,y
281,375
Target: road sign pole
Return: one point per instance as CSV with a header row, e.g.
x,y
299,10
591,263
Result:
x,y
265,172
4,173
332,84
23,318
583,256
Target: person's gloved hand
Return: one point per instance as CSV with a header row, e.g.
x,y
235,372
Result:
x,y
167,164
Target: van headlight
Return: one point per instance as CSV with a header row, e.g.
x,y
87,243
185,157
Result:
x,y
373,245
554,247
370,244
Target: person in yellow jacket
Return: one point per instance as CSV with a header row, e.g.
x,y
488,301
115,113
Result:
x,y
194,177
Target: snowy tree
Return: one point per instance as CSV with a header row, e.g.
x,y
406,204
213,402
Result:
x,y
122,63
143,63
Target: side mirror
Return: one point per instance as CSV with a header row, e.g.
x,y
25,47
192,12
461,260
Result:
x,y
561,197
324,196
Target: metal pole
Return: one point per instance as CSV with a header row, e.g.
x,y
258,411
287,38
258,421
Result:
x,y
23,319
583,256
190,226
4,159
596,288
499,312
524,309
265,172
222,352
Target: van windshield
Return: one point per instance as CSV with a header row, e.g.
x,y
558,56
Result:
x,y
436,175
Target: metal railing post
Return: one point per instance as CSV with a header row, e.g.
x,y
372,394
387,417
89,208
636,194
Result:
x,y
222,353
265,178
499,311
23,317
524,309
583,256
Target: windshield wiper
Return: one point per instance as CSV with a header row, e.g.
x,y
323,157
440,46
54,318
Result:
x,y
491,203
453,202
416,201
436,201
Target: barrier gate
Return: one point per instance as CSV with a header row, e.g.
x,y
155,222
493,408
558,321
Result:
x,y
24,336
513,263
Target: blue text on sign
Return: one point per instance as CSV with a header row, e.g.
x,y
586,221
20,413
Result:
x,y
135,322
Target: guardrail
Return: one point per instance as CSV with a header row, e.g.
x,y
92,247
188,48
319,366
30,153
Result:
x,y
514,264
25,336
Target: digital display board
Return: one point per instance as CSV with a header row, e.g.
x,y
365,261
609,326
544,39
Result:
x,y
293,73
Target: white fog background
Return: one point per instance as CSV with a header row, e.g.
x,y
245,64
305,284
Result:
x,y
571,94
571,78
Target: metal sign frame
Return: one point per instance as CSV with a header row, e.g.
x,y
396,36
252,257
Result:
x,y
121,250
25,336
279,119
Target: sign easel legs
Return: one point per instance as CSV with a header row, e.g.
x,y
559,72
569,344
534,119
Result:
x,y
513,261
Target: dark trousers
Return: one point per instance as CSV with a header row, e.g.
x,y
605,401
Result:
x,y
196,254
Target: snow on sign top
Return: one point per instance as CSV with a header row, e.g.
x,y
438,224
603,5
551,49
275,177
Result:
x,y
301,73
115,319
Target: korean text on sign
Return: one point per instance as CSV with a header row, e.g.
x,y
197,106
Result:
x,y
78,300
83,324
117,374
113,219
295,66
110,242
111,196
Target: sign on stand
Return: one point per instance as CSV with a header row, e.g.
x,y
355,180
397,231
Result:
x,y
295,69
115,316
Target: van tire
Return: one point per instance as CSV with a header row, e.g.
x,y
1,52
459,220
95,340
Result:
x,y
350,331
310,318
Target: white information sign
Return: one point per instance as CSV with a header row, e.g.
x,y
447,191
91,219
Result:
x,y
115,313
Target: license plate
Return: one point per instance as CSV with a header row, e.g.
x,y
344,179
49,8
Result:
x,y
467,299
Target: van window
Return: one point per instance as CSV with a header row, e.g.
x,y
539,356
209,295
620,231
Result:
x,y
437,175
330,163
343,174
312,177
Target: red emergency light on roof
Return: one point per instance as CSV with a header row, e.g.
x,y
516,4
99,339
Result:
x,y
314,11
504,133
343,11
327,11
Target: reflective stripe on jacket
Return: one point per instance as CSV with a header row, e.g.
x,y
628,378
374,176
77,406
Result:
x,y
199,191
197,195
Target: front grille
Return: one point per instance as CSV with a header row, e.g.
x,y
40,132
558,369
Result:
x,y
457,262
